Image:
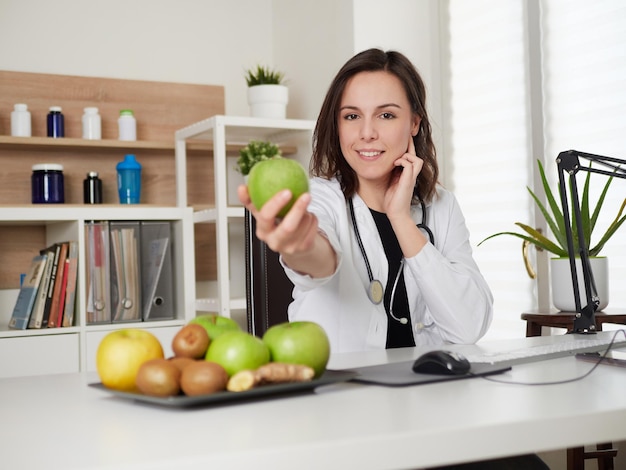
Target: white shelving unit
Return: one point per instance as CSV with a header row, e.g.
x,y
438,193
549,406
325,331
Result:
x,y
73,349
226,131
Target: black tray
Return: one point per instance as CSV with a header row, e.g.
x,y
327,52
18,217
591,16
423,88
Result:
x,y
182,401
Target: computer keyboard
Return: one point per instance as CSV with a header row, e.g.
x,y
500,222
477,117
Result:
x,y
565,345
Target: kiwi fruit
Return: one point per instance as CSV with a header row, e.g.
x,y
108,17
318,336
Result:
x,y
203,377
192,340
158,378
181,362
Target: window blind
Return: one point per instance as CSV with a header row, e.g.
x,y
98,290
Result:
x,y
487,145
585,104
487,106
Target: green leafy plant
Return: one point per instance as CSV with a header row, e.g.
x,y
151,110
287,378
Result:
x,y
555,220
263,76
256,151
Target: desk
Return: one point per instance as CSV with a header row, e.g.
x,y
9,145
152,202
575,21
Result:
x,y
57,421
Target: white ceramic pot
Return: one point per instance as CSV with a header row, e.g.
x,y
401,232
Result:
x,y
561,283
268,101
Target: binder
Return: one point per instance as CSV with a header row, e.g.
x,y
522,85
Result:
x,y
156,267
97,271
125,271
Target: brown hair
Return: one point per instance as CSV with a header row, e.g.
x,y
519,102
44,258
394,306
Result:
x,y
328,161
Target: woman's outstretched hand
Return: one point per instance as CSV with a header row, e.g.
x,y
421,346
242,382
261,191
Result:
x,y
290,235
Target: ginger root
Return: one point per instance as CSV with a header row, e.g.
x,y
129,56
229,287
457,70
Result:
x,y
271,373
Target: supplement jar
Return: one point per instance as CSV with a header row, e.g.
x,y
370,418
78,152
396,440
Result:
x,y
127,125
55,122
47,184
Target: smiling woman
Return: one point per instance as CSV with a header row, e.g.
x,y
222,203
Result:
x,y
391,286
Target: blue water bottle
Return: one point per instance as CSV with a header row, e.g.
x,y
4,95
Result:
x,y
129,180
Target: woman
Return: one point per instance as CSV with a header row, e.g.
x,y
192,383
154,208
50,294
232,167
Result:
x,y
378,252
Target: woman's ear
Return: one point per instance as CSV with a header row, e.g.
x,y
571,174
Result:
x,y
416,126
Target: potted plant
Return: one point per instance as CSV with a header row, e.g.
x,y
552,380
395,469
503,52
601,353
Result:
x,y
560,277
256,151
267,95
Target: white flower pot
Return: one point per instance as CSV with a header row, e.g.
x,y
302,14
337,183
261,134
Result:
x,y
561,283
268,101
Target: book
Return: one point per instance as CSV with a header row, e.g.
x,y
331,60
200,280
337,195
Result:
x,y
61,304
58,286
36,316
56,249
28,293
70,289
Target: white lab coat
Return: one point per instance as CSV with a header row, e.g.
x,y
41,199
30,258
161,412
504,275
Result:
x,y
449,299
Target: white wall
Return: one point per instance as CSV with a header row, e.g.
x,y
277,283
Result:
x,y
188,41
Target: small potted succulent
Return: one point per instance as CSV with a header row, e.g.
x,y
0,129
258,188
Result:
x,y
256,151
267,95
559,264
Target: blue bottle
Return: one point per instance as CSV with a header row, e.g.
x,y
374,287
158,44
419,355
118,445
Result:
x,y
56,122
129,180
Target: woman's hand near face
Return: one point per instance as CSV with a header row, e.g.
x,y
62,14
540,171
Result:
x,y
397,201
296,236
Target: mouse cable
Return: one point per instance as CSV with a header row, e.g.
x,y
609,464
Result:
x,y
558,382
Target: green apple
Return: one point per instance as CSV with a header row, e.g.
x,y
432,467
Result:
x,y
238,350
269,177
121,353
299,342
215,325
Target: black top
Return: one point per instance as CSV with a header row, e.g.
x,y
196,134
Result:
x,y
398,335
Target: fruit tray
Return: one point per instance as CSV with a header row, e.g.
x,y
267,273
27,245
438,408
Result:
x,y
265,391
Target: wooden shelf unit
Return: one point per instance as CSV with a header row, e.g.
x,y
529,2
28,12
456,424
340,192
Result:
x,y
25,228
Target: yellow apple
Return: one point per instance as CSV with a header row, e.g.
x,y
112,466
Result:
x,y
121,353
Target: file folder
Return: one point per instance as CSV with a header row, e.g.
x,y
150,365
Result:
x,y
156,267
125,271
97,271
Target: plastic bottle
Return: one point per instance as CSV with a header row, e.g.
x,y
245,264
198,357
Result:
x,y
129,180
127,125
92,189
47,184
56,122
92,124
20,121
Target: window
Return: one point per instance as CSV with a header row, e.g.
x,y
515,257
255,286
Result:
x,y
495,130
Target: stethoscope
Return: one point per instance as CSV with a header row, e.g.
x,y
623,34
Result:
x,y
375,290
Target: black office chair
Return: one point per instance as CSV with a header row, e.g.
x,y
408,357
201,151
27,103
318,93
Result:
x,y
268,289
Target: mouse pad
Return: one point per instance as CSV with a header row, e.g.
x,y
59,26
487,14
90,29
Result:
x,y
401,373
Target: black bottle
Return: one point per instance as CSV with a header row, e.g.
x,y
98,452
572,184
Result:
x,y
92,189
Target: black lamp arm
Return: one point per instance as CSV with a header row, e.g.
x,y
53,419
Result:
x,y
569,162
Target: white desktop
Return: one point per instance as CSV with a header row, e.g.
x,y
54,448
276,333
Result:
x,y
58,421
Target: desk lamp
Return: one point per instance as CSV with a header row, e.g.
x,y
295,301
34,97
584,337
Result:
x,y
569,162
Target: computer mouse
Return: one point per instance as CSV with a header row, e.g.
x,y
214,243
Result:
x,y
441,362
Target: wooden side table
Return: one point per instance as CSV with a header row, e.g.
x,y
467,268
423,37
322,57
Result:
x,y
534,322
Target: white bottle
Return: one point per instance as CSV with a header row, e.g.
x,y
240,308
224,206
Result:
x,y
127,125
20,121
92,124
